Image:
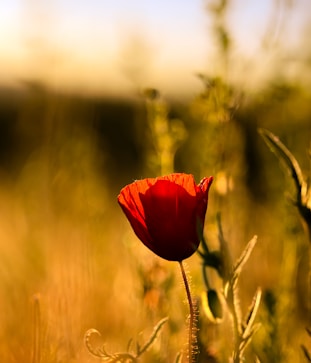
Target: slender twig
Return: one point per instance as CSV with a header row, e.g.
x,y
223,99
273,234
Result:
x,y
191,313
122,356
302,187
154,335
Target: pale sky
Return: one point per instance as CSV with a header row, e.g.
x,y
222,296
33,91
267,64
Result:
x,y
118,45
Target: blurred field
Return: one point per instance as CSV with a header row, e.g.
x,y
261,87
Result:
x,y
67,250
68,258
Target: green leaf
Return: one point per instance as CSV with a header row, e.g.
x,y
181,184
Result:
x,y
249,322
214,304
153,336
226,260
244,257
303,193
285,156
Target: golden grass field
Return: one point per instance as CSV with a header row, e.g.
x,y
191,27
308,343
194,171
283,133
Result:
x,y
69,260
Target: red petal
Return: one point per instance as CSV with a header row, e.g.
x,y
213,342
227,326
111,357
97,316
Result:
x,y
205,184
202,196
170,215
185,180
130,202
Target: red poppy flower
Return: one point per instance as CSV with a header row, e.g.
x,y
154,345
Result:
x,y
167,213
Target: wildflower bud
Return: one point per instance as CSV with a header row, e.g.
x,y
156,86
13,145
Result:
x,y
167,213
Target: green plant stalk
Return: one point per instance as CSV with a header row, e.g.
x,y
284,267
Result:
x,y
152,338
191,313
302,190
233,305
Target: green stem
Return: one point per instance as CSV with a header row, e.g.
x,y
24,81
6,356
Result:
x,y
232,303
191,313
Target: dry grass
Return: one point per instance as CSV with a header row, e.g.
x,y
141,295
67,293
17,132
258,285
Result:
x,y
69,261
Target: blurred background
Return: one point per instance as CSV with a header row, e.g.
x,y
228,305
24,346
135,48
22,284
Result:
x,y
96,94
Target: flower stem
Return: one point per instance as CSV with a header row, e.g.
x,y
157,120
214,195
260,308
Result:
x,y
191,313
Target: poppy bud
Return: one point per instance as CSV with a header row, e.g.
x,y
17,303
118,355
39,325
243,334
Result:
x,y
167,213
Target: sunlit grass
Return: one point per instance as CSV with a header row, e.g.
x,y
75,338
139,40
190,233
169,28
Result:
x,y
69,261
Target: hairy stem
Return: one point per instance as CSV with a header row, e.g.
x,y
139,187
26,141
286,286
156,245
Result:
x,y
191,313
